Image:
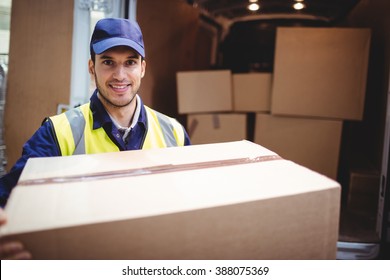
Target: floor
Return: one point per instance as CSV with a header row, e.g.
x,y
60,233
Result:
x,y
357,227
360,227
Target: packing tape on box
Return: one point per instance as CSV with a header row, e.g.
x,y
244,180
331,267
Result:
x,y
192,127
216,121
147,170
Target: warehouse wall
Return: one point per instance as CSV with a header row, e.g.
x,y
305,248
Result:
x,y
39,67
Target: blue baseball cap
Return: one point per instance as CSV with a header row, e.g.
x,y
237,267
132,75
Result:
x,y
113,32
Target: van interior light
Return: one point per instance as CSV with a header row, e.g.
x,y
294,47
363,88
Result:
x,y
299,6
253,7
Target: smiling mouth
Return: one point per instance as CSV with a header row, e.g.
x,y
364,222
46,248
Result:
x,y
120,86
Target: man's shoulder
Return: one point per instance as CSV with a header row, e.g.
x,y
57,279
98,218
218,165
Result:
x,y
156,112
73,114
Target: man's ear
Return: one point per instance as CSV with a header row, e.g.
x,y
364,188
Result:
x,y
91,67
143,66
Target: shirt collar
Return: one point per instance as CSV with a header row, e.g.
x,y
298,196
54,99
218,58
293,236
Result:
x,y
101,117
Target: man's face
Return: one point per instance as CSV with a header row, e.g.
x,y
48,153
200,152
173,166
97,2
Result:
x,y
118,73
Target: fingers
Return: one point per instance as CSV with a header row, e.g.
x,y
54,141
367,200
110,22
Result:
x,y
23,255
13,251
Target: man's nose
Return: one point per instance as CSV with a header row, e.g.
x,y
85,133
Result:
x,y
120,73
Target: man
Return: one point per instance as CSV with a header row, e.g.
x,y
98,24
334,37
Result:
x,y
115,119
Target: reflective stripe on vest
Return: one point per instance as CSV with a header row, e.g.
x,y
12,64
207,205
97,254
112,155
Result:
x,y
75,133
163,131
77,124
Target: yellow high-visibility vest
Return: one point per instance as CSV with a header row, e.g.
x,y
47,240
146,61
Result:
x,y
75,133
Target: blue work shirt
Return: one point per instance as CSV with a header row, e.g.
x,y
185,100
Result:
x,y
44,143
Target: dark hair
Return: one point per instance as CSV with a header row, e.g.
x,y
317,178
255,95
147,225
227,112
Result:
x,y
93,56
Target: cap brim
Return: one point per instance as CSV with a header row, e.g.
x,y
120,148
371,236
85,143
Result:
x,y
102,46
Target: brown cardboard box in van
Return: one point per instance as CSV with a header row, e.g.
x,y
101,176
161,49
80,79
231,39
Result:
x,y
314,143
204,91
216,128
252,92
363,192
320,72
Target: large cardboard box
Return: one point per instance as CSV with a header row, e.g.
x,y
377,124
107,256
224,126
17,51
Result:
x,y
216,128
314,143
204,91
252,92
363,192
320,72
233,200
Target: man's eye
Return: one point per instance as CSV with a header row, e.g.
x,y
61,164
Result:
x,y
131,62
107,62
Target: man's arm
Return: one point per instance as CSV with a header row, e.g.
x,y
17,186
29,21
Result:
x,y
42,144
187,141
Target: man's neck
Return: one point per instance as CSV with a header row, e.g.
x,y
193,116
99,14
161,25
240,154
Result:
x,y
122,115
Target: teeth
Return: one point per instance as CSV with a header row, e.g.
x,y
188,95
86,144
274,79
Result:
x,y
118,87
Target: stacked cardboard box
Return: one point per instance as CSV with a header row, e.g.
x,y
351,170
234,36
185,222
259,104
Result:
x,y
363,192
320,72
207,98
233,200
215,128
314,143
252,92
204,91
319,81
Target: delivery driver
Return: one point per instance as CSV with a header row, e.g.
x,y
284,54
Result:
x,y
115,119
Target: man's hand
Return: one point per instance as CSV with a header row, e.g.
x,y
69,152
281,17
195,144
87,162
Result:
x,y
12,250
